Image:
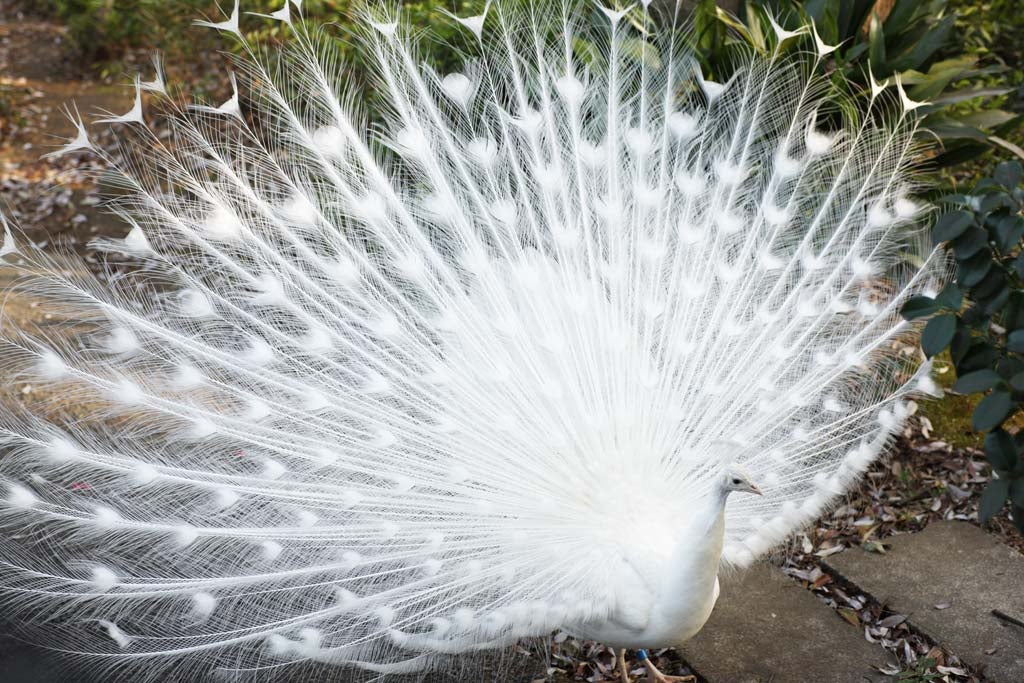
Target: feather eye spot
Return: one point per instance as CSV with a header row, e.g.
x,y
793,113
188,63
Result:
x,y
459,88
330,141
271,550
570,89
20,497
222,224
116,634
683,125
344,597
122,341
785,165
482,151
62,449
278,646
225,498
300,212
640,141
203,604
103,579
690,184
818,143
50,365
385,615
905,208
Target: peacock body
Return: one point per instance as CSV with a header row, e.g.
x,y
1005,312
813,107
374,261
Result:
x,y
381,396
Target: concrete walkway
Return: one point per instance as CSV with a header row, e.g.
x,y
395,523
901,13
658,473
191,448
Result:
x,y
957,585
766,627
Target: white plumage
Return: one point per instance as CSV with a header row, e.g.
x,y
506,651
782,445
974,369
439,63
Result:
x,y
380,397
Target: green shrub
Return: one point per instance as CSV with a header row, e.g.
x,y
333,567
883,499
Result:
x,y
979,317
104,29
935,51
917,41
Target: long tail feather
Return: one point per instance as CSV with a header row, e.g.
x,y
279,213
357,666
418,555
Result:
x,y
382,397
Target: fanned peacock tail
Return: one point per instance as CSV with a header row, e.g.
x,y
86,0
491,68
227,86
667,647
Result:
x,y
380,395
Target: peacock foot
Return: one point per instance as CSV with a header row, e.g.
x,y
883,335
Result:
x,y
622,667
655,676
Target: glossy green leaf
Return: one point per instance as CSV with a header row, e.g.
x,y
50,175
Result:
x,y
991,411
995,303
1001,450
1017,382
876,39
937,334
965,94
1018,517
899,16
990,118
950,297
1015,341
919,307
951,225
990,285
928,45
852,16
1009,366
978,355
960,151
974,269
948,128
974,316
740,28
970,242
1008,174
992,499
979,380
1017,491
1007,145
995,200
1009,230
1013,316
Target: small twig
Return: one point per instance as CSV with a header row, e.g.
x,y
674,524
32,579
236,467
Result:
x,y
999,614
913,499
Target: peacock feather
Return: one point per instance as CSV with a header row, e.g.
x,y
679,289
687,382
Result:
x,y
378,394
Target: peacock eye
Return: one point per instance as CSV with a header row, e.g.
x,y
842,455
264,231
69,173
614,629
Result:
x,y
736,481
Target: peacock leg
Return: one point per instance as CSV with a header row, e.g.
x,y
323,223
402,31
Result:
x,y
656,676
622,666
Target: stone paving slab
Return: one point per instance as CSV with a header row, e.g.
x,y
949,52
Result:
x,y
767,628
955,564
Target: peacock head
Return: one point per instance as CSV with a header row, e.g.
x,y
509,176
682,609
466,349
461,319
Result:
x,y
736,479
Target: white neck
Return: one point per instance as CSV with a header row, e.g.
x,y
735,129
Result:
x,y
699,546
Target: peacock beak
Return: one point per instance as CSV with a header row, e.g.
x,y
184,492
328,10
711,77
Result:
x,y
754,489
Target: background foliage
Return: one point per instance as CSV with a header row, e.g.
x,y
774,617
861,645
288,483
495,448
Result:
x,y
919,42
962,56
979,318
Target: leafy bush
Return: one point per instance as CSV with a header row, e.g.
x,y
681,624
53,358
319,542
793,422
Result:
x,y
914,41
104,29
979,317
